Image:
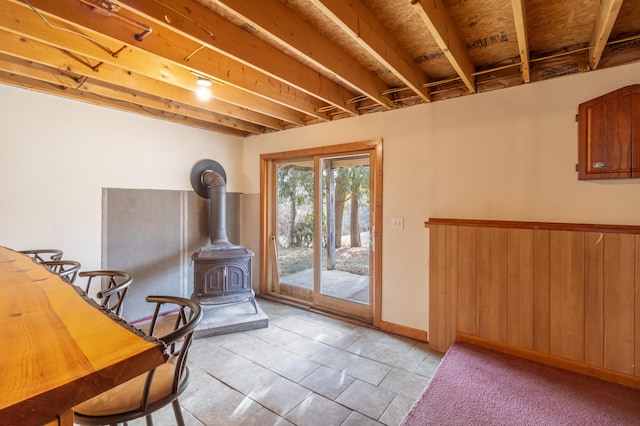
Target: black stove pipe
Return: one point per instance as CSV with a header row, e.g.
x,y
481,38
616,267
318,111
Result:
x,y
217,188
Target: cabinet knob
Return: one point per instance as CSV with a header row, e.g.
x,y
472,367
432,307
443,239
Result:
x,y
600,165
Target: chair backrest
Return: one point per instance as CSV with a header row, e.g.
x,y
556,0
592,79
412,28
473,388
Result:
x,y
66,269
43,255
113,287
174,320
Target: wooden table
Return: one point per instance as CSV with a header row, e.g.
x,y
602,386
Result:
x,y
58,348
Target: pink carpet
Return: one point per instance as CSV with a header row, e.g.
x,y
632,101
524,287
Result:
x,y
475,386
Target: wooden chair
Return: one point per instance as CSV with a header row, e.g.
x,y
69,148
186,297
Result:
x,y
43,255
113,285
145,394
66,269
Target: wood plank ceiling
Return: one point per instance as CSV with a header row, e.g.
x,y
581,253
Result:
x,y
278,64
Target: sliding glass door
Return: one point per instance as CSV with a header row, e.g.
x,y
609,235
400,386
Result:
x,y
321,243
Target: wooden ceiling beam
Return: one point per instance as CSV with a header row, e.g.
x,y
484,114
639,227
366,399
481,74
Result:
x,y
184,51
13,79
274,19
56,59
33,51
607,15
356,20
107,91
437,20
25,68
169,106
202,25
20,19
520,20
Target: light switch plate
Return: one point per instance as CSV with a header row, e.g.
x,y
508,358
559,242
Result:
x,y
397,223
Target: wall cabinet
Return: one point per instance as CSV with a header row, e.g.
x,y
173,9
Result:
x,y
609,135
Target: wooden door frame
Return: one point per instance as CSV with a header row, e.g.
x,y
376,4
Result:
x,y
374,146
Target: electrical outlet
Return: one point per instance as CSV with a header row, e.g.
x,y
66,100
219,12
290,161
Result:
x,y
397,223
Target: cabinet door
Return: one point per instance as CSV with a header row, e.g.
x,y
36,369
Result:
x,y
605,138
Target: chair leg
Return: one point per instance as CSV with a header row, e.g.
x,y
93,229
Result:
x,y
149,420
177,411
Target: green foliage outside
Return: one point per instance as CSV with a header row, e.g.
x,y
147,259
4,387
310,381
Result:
x,y
302,235
295,185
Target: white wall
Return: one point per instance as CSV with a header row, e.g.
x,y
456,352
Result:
x,y
504,155
508,154
511,154
56,155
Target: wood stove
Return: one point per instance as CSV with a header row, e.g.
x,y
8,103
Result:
x,y
222,270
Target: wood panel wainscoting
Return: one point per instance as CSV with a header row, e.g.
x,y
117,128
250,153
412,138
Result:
x,y
567,295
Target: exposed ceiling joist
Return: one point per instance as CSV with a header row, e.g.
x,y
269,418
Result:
x,y
113,95
520,20
195,21
185,52
279,64
607,14
360,24
435,17
55,89
69,80
278,22
22,20
34,52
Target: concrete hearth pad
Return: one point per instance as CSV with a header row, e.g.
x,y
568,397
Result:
x,y
224,319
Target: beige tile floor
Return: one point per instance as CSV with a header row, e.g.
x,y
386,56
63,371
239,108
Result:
x,y
304,369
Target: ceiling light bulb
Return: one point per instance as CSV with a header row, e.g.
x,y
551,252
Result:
x,y
203,93
204,82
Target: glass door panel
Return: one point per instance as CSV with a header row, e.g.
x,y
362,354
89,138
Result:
x,y
344,281
294,223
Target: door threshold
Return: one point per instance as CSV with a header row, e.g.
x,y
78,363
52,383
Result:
x,y
317,310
